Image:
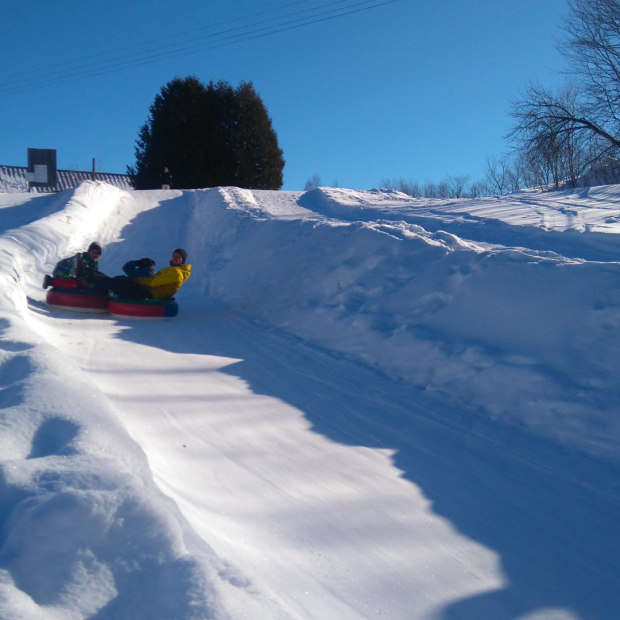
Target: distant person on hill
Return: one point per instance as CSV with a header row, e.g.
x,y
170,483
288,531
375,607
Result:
x,y
166,178
83,266
161,285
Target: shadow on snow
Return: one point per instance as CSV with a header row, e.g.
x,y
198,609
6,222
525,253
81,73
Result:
x,y
551,514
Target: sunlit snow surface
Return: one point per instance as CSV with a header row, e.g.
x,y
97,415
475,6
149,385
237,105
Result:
x,y
368,406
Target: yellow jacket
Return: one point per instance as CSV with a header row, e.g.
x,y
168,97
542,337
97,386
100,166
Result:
x,y
166,282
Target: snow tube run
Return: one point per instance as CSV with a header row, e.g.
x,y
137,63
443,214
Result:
x,y
70,294
143,308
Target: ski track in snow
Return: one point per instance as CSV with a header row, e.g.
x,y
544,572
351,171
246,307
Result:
x,y
367,406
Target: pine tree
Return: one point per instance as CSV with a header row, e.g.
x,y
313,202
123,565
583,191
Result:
x,y
208,136
259,159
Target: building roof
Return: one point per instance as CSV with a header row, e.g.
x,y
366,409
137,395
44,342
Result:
x,y
13,179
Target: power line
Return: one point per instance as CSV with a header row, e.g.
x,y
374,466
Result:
x,y
123,53
190,42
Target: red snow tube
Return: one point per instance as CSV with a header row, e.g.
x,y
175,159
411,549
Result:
x,y
71,294
143,308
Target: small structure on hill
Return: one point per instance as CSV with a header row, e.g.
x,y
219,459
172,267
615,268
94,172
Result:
x,y
41,171
42,176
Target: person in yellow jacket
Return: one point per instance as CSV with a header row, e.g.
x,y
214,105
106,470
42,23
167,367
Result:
x,y
161,285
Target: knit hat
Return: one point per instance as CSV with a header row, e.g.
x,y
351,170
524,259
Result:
x,y
182,252
146,262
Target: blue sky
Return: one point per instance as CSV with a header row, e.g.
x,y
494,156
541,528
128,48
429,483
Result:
x,y
412,89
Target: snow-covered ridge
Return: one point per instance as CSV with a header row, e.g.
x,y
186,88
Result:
x,y
449,314
546,221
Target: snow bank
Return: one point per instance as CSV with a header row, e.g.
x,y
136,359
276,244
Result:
x,y
519,334
83,528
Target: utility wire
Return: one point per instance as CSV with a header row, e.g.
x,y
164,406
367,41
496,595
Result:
x,y
200,40
127,52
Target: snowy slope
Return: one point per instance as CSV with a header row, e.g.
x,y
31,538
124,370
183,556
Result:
x,y
369,405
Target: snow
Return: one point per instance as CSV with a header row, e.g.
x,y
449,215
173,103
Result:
x,y
368,406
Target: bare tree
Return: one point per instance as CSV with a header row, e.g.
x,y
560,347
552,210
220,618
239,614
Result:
x,y
501,176
312,183
410,188
550,132
534,169
457,186
593,49
477,189
571,129
443,190
430,191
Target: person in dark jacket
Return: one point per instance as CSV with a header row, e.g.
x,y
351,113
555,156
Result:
x,y
161,285
84,267
141,268
166,179
126,286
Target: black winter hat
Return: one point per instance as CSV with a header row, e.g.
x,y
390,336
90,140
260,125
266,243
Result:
x,y
146,262
182,252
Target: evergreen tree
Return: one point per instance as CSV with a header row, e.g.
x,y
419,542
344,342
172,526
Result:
x,y
259,158
208,136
